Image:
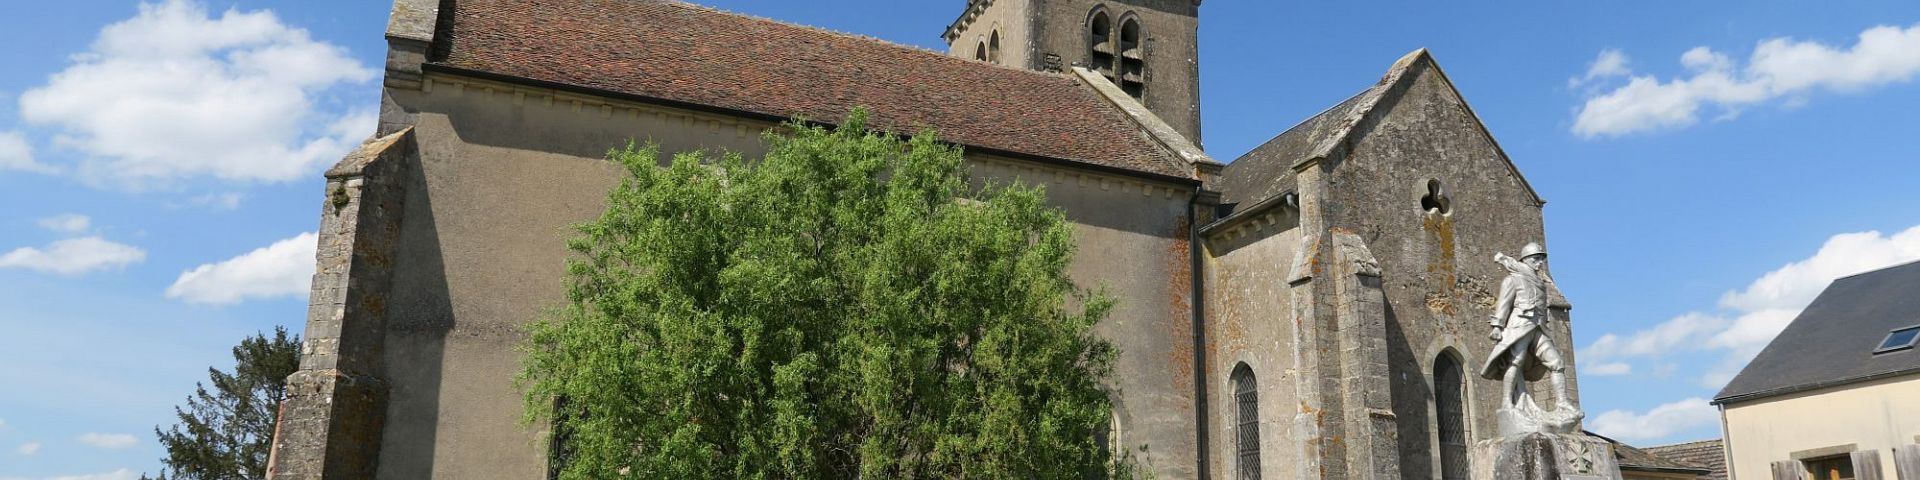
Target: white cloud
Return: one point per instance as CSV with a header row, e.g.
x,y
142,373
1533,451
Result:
x,y
1662,421
121,474
67,223
17,154
109,440
1779,67
1668,336
282,269
220,201
28,449
1606,369
73,256
1611,63
176,92
1795,285
1751,317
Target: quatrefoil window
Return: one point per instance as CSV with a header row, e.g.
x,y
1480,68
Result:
x,y
1436,200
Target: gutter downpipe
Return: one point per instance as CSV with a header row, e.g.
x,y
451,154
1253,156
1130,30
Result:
x,y
1197,300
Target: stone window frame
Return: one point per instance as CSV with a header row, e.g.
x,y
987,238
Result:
x,y
1427,187
1245,400
1440,457
1138,90
1448,344
993,47
1099,31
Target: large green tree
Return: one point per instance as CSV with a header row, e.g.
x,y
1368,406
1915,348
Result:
x,y
846,307
226,433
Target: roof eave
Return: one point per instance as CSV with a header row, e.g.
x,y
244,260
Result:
x,y
1807,387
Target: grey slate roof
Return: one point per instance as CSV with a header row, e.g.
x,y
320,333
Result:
x,y
1832,341
1259,173
1266,170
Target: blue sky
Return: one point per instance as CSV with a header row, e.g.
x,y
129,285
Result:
x,y
157,176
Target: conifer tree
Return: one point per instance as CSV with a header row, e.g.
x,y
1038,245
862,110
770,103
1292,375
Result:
x,y
226,433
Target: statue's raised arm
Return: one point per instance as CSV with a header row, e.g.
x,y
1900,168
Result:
x,y
1522,346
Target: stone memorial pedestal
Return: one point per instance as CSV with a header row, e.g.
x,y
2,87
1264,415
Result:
x,y
1545,456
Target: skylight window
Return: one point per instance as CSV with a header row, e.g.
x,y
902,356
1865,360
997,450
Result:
x,y
1901,339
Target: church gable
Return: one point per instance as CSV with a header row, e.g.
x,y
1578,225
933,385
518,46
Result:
x,y
1416,109
1414,172
1263,172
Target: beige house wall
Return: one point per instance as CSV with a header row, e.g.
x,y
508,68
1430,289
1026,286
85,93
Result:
x,y
1877,416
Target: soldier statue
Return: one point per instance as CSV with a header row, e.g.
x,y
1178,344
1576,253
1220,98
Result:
x,y
1522,347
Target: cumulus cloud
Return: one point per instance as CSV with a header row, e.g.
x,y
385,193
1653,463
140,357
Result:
x,y
1778,67
176,92
109,440
67,223
282,269
1749,318
28,449
73,256
17,154
1660,422
1611,63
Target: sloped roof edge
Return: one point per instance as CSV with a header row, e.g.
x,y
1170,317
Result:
x,y
1394,82
1162,133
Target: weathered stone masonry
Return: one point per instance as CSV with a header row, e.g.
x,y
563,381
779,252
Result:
x,y
332,418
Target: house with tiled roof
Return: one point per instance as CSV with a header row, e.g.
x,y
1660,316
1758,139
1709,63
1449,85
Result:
x,y
1837,393
1306,310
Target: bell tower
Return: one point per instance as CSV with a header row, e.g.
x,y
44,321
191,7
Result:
x,y
1150,48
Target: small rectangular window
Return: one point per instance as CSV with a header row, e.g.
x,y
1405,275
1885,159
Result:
x,y
1830,468
1899,339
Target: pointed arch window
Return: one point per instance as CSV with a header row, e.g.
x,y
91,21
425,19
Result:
x,y
1449,398
1117,49
980,52
993,47
1133,59
1246,441
1100,43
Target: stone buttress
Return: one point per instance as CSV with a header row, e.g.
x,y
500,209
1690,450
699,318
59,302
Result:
x,y
331,420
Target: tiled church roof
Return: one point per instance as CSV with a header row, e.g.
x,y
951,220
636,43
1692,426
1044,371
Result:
x,y
687,54
1705,453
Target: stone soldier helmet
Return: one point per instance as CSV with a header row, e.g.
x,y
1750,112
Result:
x,y
1532,248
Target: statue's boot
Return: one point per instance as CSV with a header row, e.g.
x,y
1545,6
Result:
x,y
1561,401
1514,386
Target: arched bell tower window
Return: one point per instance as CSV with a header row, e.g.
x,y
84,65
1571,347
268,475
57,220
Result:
x,y
1100,43
1246,439
1449,398
980,52
1133,59
993,47
1118,52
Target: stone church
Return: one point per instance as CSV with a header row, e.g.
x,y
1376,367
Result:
x,y
1309,310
